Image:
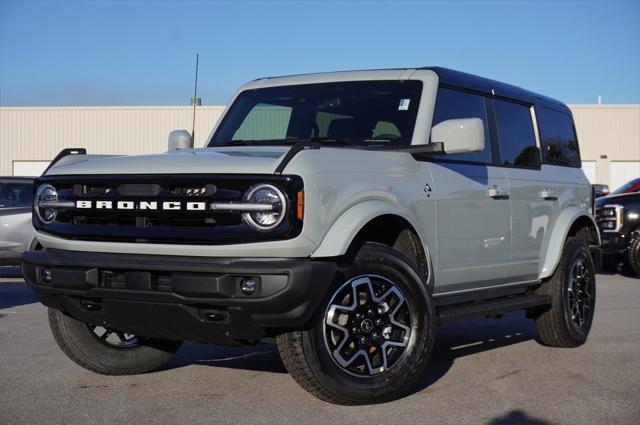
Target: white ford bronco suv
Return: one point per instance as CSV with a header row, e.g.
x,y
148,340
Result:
x,y
344,215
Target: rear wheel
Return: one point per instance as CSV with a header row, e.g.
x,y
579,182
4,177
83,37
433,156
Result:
x,y
572,288
633,254
107,351
373,336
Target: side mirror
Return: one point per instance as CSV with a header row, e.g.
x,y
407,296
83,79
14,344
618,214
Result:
x,y
180,139
600,190
459,135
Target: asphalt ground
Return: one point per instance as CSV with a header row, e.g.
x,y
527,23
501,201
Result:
x,y
482,371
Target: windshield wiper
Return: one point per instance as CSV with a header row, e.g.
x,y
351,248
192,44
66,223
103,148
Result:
x,y
327,140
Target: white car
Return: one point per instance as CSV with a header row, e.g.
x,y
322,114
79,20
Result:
x,y
16,231
344,215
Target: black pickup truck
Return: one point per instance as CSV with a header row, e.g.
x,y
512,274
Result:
x,y
618,216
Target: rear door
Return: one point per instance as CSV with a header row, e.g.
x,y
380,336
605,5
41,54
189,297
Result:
x,y
472,205
533,190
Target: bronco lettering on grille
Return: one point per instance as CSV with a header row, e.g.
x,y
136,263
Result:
x,y
142,205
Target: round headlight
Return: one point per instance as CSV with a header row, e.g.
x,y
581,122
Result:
x,y
265,194
45,192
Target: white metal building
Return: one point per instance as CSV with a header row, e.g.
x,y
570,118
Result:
x,y
609,135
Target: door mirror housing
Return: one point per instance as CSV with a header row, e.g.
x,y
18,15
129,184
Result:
x,y
180,139
459,135
600,190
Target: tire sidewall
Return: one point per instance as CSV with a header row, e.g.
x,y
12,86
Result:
x,y
575,249
382,261
78,341
633,254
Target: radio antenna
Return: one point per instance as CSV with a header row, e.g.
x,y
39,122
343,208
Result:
x,y
195,102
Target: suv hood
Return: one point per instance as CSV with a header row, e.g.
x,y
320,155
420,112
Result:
x,y
223,160
618,199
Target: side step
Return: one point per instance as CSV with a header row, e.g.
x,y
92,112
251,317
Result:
x,y
464,311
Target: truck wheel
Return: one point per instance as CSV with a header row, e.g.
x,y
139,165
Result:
x,y
108,352
572,289
633,254
372,337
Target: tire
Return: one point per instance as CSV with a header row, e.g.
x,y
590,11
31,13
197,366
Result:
x,y
405,316
82,344
572,289
633,255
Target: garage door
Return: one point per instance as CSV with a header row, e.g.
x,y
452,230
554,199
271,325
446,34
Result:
x,y
621,172
29,168
589,168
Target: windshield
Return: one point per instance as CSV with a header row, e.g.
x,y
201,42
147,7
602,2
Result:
x,y
361,113
15,194
632,186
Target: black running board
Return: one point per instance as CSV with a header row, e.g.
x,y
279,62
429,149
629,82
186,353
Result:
x,y
494,306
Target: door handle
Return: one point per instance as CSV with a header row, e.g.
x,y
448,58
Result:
x,y
496,192
549,195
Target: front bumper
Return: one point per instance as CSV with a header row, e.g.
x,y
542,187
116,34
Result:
x,y
10,258
613,243
180,298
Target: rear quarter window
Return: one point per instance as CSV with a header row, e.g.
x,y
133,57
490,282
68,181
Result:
x,y
558,138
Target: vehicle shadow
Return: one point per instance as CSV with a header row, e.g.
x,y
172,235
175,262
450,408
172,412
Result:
x,y
452,341
619,269
517,417
473,336
261,358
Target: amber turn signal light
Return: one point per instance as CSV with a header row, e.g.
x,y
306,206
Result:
x,y
300,210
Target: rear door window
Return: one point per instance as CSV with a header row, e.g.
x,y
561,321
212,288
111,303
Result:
x,y
516,135
558,138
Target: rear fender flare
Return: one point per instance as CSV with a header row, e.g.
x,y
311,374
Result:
x,y
553,250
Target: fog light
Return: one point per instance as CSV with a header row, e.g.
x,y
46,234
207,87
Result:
x,y
47,275
248,285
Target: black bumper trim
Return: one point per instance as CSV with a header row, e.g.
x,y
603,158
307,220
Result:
x,y
613,243
184,298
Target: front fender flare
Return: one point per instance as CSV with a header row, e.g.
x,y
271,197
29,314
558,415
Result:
x,y
558,235
338,239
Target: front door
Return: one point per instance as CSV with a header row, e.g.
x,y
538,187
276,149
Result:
x,y
472,205
472,226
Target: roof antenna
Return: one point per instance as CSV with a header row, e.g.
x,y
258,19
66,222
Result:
x,y
194,101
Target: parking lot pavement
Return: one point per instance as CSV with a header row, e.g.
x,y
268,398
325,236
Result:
x,y
483,371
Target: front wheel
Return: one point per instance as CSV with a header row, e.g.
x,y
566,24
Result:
x,y
107,351
374,334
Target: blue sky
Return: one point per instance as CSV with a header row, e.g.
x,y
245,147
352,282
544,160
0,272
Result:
x,y
143,53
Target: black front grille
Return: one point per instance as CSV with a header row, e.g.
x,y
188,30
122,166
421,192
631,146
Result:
x,y
165,226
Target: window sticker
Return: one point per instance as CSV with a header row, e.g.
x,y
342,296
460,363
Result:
x,y
404,105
